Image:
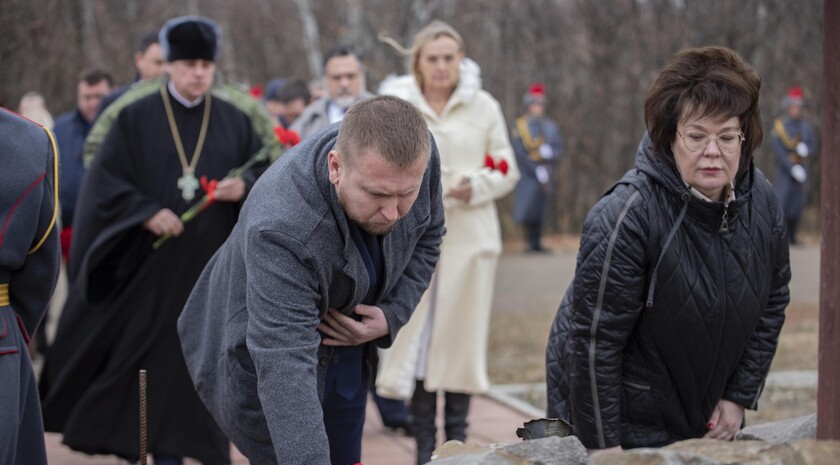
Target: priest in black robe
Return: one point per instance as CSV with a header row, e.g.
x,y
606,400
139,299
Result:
x,y
126,296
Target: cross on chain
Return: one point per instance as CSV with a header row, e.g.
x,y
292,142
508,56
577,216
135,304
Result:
x,y
188,185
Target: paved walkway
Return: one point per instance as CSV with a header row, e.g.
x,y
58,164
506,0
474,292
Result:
x,y
490,422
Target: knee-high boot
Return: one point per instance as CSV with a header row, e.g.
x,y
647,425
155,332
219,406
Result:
x,y
424,409
456,410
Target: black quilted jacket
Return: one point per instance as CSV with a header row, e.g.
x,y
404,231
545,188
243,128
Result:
x,y
676,303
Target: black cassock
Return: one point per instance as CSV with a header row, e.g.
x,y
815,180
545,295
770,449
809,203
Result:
x,y
125,297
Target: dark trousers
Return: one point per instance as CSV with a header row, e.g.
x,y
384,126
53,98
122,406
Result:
x,y
791,230
345,398
533,235
394,412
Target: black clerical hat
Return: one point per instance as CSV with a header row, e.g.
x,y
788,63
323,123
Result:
x,y
190,38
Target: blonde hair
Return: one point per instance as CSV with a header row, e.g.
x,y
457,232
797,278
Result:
x,y
430,32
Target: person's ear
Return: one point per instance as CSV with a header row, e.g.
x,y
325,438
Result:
x,y
334,166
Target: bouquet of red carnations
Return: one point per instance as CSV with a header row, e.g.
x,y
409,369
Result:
x,y
285,138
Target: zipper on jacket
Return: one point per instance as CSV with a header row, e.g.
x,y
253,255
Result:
x,y
721,289
724,221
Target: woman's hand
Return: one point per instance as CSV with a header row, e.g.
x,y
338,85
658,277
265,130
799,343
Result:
x,y
726,421
462,192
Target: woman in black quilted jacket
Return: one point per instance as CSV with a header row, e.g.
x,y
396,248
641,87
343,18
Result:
x,y
670,324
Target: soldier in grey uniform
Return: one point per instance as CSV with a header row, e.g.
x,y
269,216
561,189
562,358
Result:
x,y
29,261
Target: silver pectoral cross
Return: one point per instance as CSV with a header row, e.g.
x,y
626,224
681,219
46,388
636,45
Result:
x,y
188,185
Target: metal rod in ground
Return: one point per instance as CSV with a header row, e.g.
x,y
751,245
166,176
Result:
x,y
143,419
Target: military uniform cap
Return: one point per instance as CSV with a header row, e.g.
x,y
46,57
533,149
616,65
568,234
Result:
x,y
793,97
535,94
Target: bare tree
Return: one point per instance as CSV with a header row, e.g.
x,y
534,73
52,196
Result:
x,y
311,37
192,7
596,58
228,49
90,37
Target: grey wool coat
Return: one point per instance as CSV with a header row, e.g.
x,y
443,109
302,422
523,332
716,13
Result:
x,y
29,261
249,330
314,118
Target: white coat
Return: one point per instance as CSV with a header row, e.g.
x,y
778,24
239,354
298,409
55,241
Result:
x,y
445,341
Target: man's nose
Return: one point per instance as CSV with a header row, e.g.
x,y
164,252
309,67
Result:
x,y
390,212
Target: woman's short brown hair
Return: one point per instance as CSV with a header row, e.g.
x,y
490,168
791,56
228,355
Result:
x,y
702,82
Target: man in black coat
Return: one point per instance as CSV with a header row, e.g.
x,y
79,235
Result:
x,y
126,296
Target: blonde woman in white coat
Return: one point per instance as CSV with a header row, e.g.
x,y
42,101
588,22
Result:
x,y
444,345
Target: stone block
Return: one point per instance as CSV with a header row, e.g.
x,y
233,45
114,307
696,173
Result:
x,y
813,452
738,452
552,450
782,432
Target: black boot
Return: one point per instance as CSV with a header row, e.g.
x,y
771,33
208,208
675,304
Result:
x,y
424,409
533,234
791,231
456,410
395,413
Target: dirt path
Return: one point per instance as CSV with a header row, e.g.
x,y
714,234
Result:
x,y
529,289
536,283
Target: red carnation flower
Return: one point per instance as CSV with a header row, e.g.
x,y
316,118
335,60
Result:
x,y
210,189
488,162
286,137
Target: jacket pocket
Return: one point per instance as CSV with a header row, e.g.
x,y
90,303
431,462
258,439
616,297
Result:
x,y
636,385
642,415
639,402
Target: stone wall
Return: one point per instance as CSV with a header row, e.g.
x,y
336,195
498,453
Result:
x,y
789,442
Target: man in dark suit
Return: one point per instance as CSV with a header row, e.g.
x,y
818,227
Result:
x,y
344,78
332,251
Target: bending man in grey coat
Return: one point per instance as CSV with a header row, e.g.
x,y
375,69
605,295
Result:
x,y
333,249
